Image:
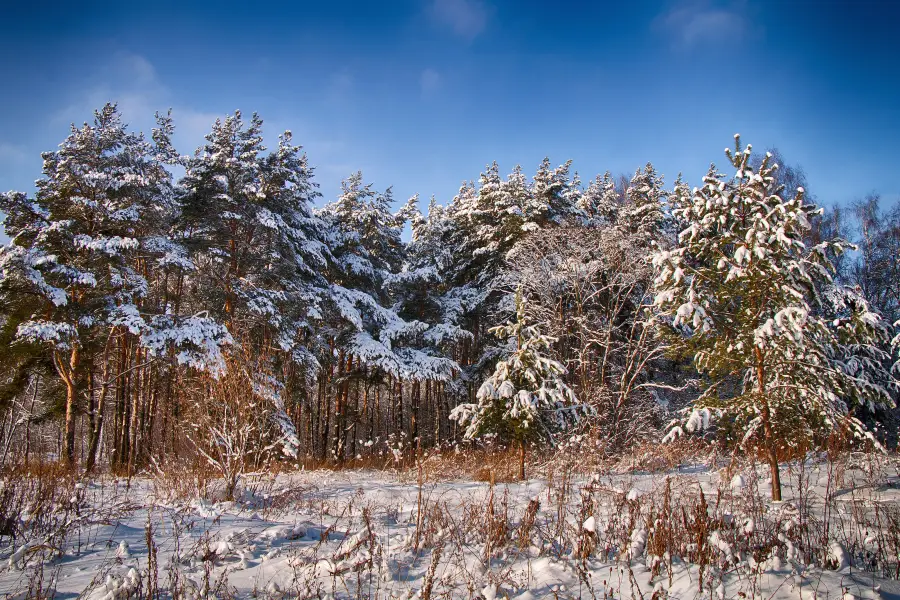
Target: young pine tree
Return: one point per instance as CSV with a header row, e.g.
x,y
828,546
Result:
x,y
525,399
743,297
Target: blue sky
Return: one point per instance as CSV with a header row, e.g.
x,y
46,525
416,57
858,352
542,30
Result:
x,y
421,94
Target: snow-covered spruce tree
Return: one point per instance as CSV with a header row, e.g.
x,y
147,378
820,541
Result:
x,y
476,230
481,226
489,220
742,297
525,399
553,199
418,293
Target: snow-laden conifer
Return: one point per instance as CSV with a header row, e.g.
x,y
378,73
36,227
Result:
x,y
81,250
526,398
786,356
600,203
644,214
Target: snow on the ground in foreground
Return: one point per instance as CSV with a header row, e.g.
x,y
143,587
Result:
x,y
353,534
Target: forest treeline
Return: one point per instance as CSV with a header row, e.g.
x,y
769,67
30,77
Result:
x,y
234,317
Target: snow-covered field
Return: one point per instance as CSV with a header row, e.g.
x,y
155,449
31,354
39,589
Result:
x,y
373,534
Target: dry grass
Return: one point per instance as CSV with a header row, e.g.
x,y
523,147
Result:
x,y
717,533
37,501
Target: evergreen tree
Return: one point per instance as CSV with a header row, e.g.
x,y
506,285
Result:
x,y
552,201
742,296
366,327
645,212
259,250
73,251
525,399
600,203
419,287
221,194
424,288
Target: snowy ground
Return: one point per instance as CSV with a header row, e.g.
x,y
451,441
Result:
x,y
362,534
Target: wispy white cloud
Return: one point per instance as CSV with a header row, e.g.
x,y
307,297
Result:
x,y
142,71
137,87
130,80
133,83
467,18
429,81
191,126
692,22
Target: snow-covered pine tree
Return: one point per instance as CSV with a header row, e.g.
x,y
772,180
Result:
x,y
220,196
78,254
600,202
260,252
291,283
489,221
741,296
458,236
417,289
525,399
572,194
366,330
477,231
552,201
417,295
368,250
478,228
644,214
426,281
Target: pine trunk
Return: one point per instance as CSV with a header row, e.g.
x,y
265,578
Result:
x,y
67,373
768,433
69,448
97,421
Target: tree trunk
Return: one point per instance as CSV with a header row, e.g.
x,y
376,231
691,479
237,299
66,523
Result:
x,y
69,436
336,446
97,428
768,433
67,373
326,403
414,410
771,452
776,476
37,382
